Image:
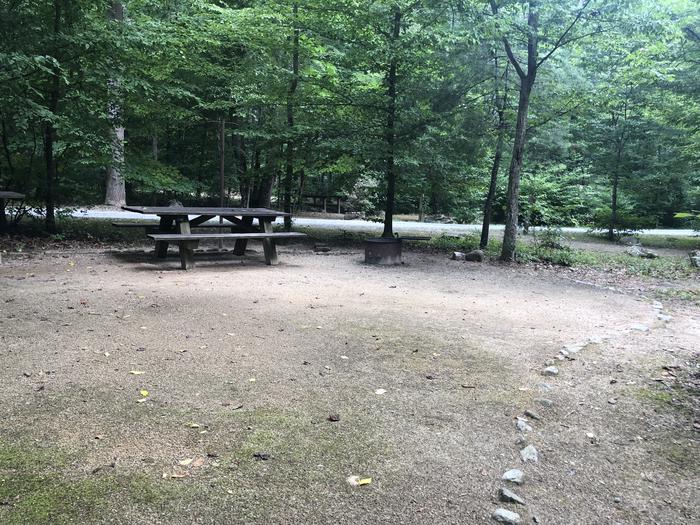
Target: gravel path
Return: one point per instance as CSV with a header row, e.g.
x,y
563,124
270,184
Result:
x,y
402,227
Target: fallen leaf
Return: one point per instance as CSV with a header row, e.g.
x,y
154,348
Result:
x,y
185,462
143,392
357,481
380,391
193,425
252,380
198,462
136,372
142,400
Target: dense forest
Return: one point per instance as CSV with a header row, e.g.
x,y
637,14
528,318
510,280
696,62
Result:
x,y
550,112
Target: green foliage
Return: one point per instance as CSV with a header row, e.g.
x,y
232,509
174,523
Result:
x,y
151,176
618,104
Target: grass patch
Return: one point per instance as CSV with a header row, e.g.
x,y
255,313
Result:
x,y
37,488
686,243
669,268
691,296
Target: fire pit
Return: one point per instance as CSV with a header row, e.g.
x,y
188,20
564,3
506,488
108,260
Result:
x,y
386,250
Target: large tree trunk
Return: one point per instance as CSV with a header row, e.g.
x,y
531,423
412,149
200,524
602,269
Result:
x,y
527,80
289,174
516,164
390,133
115,193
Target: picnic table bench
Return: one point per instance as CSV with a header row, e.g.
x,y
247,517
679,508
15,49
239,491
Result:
x,y
4,197
175,226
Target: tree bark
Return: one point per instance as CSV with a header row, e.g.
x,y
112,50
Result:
x,y
390,130
527,80
293,83
115,192
516,164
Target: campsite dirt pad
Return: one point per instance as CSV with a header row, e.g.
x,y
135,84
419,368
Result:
x,y
239,393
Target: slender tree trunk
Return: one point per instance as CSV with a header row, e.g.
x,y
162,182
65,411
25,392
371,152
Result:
x,y
493,183
289,175
613,206
154,146
115,193
222,163
50,131
615,185
497,156
516,164
390,131
300,194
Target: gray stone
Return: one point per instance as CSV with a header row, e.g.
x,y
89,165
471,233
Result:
x,y
506,516
630,240
474,256
544,402
510,497
664,318
551,371
574,348
639,327
321,248
657,305
520,440
529,453
532,415
514,476
521,424
694,258
644,253
457,256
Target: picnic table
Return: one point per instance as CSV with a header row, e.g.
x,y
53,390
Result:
x,y
176,224
4,197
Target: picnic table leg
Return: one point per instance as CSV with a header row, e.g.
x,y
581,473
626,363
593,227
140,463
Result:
x,y
186,248
269,246
241,244
3,219
165,226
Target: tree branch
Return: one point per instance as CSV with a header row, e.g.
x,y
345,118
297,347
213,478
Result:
x,y
560,42
509,51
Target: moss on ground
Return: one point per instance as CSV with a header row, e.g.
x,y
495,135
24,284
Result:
x,y
36,487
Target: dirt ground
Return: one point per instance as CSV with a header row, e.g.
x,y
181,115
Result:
x,y
135,393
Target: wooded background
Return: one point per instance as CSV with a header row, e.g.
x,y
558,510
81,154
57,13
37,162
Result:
x,y
589,108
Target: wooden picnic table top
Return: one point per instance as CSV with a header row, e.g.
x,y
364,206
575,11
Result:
x,y
11,195
196,210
